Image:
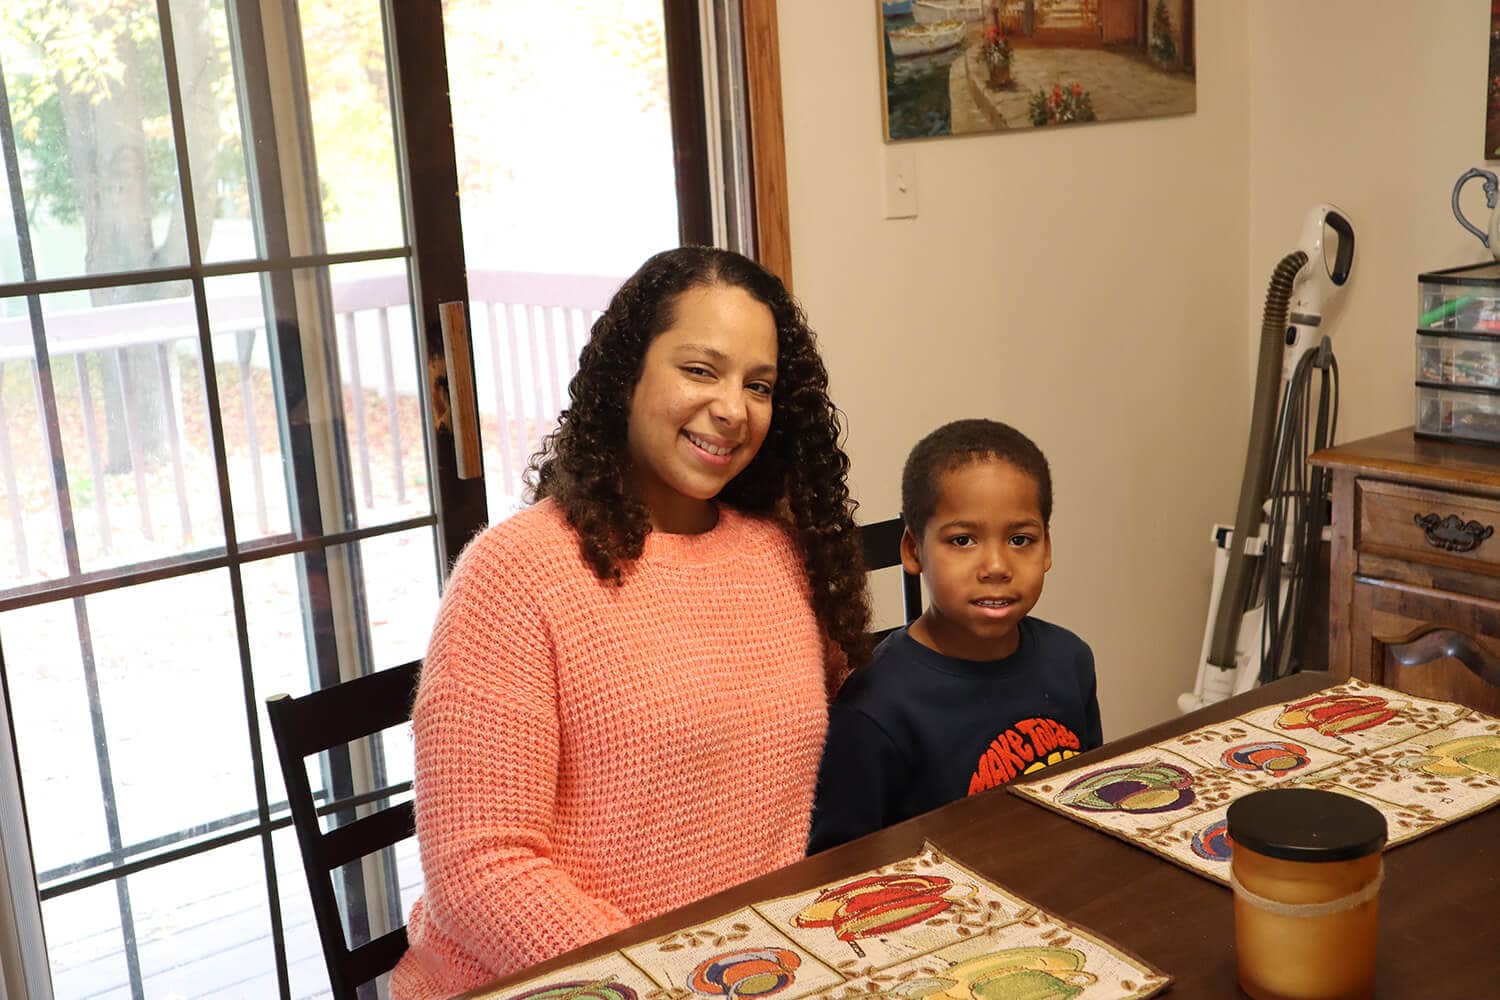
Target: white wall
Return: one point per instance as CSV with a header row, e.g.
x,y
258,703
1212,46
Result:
x,y
1376,106
1087,284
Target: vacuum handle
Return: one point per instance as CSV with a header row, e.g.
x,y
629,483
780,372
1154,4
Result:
x,y
1343,258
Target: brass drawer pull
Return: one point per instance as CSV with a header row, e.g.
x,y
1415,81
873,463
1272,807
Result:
x,y
1452,534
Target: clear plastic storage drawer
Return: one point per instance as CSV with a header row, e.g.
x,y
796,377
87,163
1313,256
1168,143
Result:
x,y
1452,359
1467,414
1460,299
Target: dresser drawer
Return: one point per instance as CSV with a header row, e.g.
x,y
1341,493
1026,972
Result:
x,y
1429,526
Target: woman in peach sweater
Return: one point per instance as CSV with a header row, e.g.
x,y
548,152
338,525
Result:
x,y
624,700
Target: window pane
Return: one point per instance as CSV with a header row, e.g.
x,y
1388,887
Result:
x,y
55,741
31,547
306,970
128,377
203,925
251,405
170,710
89,111
563,133
84,945
174,701
10,244
214,132
351,122
293,352
401,594
380,375
125,371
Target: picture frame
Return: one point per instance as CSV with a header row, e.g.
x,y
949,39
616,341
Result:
x,y
964,67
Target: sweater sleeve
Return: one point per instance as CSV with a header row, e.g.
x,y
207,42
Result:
x,y
486,742
862,774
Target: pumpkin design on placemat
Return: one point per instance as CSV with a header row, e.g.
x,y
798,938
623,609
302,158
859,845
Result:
x,y
1478,755
1212,842
1273,757
598,989
1336,714
749,972
1152,787
1034,973
879,904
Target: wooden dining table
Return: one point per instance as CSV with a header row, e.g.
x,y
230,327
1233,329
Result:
x,y
1439,906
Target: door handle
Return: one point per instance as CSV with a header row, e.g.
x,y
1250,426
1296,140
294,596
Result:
x,y
464,409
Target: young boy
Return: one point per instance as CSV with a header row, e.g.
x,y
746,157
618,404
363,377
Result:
x,y
975,692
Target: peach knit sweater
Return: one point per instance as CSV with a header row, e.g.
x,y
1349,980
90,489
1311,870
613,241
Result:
x,y
588,756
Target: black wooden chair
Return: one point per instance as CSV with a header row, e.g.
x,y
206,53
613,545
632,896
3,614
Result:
x,y
882,546
325,720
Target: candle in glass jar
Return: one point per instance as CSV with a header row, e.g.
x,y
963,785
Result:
x,y
1306,872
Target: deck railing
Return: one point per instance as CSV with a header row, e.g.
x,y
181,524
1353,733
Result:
x,y
527,330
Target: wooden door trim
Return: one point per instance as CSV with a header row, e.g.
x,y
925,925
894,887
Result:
x,y
773,240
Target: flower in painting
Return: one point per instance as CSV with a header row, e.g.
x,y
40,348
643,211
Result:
x,y
1062,104
996,49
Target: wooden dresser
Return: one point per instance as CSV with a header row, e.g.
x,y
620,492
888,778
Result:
x,y
1414,582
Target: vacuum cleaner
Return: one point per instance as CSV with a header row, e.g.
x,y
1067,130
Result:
x,y
1263,564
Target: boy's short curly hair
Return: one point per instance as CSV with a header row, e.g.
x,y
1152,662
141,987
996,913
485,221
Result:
x,y
957,444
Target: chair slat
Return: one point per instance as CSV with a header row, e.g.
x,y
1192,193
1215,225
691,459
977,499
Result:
x,y
353,841
359,707
376,957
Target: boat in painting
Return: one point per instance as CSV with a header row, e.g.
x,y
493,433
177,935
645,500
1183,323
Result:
x,y
895,8
933,11
920,39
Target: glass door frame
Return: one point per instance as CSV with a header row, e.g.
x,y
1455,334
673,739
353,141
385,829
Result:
x,y
424,134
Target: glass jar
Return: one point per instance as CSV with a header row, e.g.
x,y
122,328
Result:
x,y
1306,873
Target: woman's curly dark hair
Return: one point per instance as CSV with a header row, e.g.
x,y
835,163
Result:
x,y
799,473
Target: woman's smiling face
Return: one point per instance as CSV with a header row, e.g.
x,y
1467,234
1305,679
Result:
x,y
702,406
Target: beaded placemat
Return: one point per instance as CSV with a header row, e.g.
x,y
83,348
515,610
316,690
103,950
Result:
x,y
1424,764
923,927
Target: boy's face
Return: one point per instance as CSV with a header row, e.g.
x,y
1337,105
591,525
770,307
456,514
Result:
x,y
983,554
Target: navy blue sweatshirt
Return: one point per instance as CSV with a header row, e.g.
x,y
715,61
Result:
x,y
914,730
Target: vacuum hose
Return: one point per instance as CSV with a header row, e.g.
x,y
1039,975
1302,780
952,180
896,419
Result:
x,y
1258,460
1298,510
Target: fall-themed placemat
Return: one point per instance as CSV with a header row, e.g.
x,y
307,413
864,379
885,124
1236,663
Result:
x,y
1424,764
923,927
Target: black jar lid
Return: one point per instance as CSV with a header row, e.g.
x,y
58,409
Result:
x,y
1306,824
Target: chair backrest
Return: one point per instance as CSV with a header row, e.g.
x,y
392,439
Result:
x,y
312,724
881,542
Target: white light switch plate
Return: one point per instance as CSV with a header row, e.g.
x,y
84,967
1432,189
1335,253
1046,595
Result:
x,y
900,183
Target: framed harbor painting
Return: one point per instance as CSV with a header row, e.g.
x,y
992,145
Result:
x,y
959,67
1492,87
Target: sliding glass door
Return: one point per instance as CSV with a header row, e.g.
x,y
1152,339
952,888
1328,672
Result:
x,y
227,451
226,227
